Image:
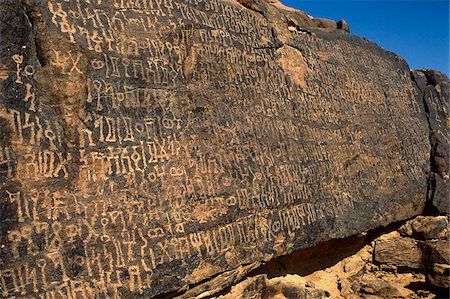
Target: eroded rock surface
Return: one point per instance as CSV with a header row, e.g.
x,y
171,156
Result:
x,y
169,147
435,90
398,264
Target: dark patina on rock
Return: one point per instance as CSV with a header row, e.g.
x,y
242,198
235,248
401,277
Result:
x,y
148,146
434,88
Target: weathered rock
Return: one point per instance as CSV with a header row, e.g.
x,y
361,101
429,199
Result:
x,y
426,228
168,147
221,282
426,248
437,261
398,251
440,276
251,288
342,24
441,187
435,88
420,79
295,287
381,289
360,275
325,23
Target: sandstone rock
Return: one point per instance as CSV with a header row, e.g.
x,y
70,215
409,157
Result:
x,y
381,289
435,247
251,288
325,23
399,251
440,275
426,228
343,25
431,227
357,277
295,287
222,281
437,262
169,147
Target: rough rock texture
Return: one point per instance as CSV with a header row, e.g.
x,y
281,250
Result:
x,y
152,147
402,252
423,245
434,88
420,270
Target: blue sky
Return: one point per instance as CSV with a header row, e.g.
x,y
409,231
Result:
x,y
417,30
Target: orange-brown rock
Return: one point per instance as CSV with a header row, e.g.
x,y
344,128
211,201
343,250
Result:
x,y
414,268
399,251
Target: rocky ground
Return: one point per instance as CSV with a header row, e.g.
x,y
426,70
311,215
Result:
x,y
409,262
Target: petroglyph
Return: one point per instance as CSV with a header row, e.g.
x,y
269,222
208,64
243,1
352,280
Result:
x,y
149,139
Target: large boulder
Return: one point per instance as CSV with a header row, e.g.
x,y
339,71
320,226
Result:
x,y
170,147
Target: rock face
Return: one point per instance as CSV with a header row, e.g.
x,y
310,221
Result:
x,y
404,263
149,146
434,88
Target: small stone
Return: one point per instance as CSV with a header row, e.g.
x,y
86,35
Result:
x,y
380,288
440,275
427,228
354,266
252,287
389,267
406,230
343,25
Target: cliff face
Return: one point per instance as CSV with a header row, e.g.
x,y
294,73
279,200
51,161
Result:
x,y
150,147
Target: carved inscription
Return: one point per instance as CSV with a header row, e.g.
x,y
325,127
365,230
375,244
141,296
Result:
x,y
193,143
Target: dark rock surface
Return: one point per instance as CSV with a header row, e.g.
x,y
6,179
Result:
x,y
434,88
342,24
169,147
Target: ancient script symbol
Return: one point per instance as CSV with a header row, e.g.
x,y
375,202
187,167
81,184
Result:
x,y
75,63
18,59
